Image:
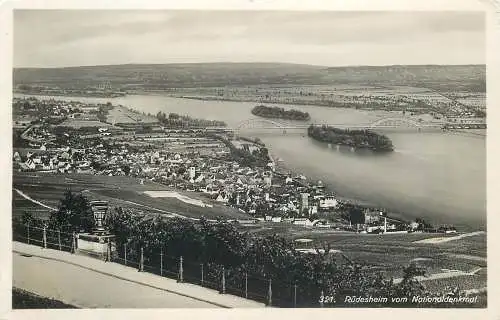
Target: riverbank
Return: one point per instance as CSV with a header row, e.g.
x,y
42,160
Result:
x,y
372,113
76,94
404,212
287,169
250,99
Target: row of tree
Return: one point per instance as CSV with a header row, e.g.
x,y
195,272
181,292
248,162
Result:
x,y
174,120
221,244
246,158
102,112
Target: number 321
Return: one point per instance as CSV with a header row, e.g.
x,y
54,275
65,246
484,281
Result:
x,y
327,299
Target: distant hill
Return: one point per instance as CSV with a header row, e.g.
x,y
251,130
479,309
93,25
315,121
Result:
x,y
445,77
162,76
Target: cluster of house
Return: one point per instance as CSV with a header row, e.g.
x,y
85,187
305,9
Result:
x,y
38,136
186,161
257,191
264,193
55,108
461,111
28,110
53,160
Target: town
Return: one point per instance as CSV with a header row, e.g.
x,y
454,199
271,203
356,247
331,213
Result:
x,y
60,137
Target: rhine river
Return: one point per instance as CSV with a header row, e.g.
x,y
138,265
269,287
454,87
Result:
x,y
441,176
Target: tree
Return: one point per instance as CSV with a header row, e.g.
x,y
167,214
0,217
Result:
x,y
74,213
126,169
423,224
220,243
24,87
161,117
352,213
96,166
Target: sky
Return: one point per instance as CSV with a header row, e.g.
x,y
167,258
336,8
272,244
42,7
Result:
x,y
62,38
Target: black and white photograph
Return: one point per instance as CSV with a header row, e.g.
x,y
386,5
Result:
x,y
203,158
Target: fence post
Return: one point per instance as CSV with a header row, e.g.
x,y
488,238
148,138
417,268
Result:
x,y
201,273
28,226
295,295
109,250
181,270
141,266
45,237
161,262
223,280
246,285
270,293
125,253
73,242
59,239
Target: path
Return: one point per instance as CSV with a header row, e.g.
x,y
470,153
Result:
x,y
170,213
25,196
444,275
91,283
447,239
468,257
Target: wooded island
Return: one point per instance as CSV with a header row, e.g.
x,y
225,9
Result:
x,y
362,139
280,113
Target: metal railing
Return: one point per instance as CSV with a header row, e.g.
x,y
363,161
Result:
x,y
44,237
224,279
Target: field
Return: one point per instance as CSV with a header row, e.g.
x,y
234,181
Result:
x,y
392,252
119,191
416,100
121,114
83,123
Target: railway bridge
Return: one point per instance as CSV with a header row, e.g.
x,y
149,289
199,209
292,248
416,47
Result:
x,y
387,123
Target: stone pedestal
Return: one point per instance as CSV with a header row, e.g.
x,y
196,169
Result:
x,y
96,244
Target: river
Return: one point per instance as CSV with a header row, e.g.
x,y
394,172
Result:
x,y
441,176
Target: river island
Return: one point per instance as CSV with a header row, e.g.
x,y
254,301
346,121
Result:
x,y
280,113
360,139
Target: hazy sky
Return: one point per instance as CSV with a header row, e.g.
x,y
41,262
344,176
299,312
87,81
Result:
x,y
55,38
